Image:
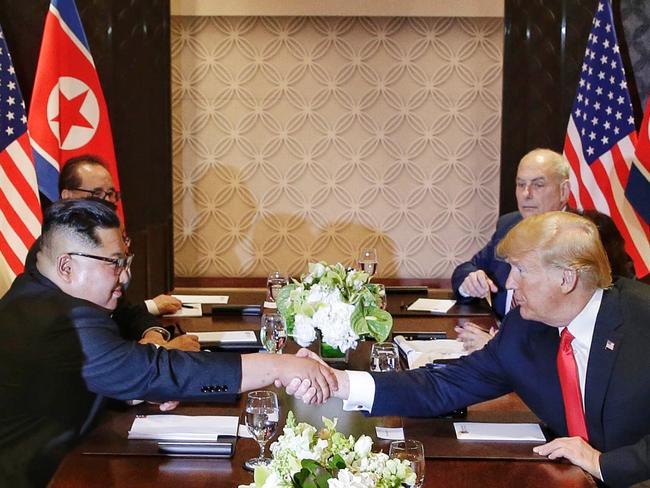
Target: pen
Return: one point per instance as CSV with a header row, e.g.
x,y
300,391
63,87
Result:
x,y
185,305
180,329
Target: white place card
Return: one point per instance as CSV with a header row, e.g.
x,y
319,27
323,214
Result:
x,y
210,299
271,305
485,431
390,433
434,305
183,427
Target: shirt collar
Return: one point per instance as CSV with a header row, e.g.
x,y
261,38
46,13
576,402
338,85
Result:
x,y
582,326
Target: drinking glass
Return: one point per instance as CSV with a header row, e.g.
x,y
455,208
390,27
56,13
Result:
x,y
384,357
275,281
381,291
412,451
368,261
262,415
273,332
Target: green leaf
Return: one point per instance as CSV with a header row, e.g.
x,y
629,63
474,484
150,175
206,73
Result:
x,y
336,462
379,322
358,320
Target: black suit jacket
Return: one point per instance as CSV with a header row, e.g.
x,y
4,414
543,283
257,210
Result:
x,y
522,358
59,355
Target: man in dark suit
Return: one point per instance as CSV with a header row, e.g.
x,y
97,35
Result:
x,y
542,185
561,278
61,352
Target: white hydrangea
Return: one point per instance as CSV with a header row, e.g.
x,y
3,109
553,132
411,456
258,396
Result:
x,y
303,330
346,479
334,323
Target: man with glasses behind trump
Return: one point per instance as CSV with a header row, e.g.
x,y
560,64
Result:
x,y
61,352
576,350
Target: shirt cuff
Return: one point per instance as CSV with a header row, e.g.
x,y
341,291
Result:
x,y
152,308
362,391
462,292
162,331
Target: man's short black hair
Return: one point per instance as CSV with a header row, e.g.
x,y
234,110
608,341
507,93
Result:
x,y
69,178
81,217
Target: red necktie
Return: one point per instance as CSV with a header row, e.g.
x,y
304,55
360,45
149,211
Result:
x,y
568,373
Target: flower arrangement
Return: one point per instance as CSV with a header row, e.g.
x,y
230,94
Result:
x,y
304,457
341,303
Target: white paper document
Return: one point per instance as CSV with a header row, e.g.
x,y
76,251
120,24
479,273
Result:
x,y
420,353
226,336
187,310
211,299
183,427
484,431
431,305
270,305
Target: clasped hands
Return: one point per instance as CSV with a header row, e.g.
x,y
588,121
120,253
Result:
x,y
314,382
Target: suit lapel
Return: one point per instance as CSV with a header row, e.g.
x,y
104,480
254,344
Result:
x,y
602,357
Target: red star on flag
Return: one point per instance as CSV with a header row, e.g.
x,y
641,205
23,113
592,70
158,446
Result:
x,y
72,108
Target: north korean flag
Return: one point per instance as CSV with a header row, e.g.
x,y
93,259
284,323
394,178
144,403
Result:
x,y
67,113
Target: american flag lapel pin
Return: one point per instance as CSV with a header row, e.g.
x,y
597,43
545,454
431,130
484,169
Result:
x,y
610,345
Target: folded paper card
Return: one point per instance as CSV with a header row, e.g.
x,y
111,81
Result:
x,y
228,336
187,310
431,305
485,431
420,353
202,298
183,427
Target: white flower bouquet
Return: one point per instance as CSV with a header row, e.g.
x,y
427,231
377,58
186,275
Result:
x,y
304,457
341,303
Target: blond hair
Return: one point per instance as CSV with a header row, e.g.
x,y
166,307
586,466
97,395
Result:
x,y
563,240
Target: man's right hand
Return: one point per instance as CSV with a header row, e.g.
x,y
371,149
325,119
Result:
x,y
478,285
185,342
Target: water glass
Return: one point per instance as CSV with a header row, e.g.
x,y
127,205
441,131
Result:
x,y
368,261
274,283
412,451
262,416
273,332
381,291
384,357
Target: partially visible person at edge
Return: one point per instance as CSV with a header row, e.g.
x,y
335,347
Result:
x,y
572,328
542,185
87,177
62,353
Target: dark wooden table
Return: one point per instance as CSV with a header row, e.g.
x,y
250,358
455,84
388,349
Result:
x,y
121,465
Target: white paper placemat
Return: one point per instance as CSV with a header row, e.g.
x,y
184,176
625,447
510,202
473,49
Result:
x,y
211,299
226,336
431,305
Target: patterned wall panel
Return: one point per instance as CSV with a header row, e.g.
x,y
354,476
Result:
x,y
297,139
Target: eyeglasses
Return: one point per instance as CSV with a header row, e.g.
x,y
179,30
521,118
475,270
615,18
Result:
x,y
119,264
110,195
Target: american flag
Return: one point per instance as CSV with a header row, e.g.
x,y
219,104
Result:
x,y
20,210
601,137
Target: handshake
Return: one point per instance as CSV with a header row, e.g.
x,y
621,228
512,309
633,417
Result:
x,y
303,375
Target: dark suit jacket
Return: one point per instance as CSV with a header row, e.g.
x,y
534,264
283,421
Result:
x,y
59,355
132,319
486,260
522,358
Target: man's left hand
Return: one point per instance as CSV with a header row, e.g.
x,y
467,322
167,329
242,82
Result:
x,y
574,449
